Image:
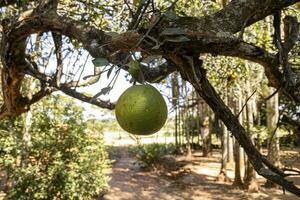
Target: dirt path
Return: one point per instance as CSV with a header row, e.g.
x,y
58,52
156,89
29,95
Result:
x,y
129,182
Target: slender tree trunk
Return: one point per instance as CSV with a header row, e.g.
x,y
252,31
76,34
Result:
x,y
176,126
273,144
175,96
188,134
237,151
198,125
205,129
230,158
179,127
222,177
206,137
224,144
250,174
229,102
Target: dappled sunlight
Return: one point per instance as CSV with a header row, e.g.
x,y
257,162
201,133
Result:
x,y
196,180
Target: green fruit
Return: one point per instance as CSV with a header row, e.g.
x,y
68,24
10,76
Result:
x,y
141,110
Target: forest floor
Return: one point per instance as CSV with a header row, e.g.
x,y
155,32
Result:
x,y
196,180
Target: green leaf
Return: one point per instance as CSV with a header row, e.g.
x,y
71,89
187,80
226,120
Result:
x,y
110,71
135,71
105,90
134,68
98,62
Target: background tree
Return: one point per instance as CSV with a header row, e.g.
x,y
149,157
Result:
x,y
62,161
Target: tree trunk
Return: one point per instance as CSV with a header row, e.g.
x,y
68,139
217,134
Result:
x,y
176,128
273,144
224,144
187,130
196,75
175,96
237,152
230,158
205,133
203,111
230,102
222,177
250,174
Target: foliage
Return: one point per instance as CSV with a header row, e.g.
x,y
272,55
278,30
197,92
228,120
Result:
x,y
149,155
60,161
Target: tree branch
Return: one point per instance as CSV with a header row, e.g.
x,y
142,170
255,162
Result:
x,y
232,18
197,77
95,101
57,39
209,34
66,88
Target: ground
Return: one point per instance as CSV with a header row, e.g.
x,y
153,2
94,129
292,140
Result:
x,y
195,182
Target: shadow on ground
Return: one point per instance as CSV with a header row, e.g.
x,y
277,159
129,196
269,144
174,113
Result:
x,y
195,182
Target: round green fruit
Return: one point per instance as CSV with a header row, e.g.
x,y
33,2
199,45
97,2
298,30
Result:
x,y
141,110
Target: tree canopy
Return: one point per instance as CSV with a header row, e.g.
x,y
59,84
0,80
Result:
x,y
150,39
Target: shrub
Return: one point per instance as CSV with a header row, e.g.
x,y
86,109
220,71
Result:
x,y
151,155
60,161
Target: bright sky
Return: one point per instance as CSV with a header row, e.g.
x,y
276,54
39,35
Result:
x,y
81,65
120,86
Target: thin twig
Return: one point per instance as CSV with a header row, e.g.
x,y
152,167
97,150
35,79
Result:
x,y
273,94
245,103
82,70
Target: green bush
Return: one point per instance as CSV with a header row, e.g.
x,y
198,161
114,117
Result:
x,y
150,155
62,160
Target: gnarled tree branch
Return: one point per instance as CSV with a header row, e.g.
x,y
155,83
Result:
x,y
194,73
